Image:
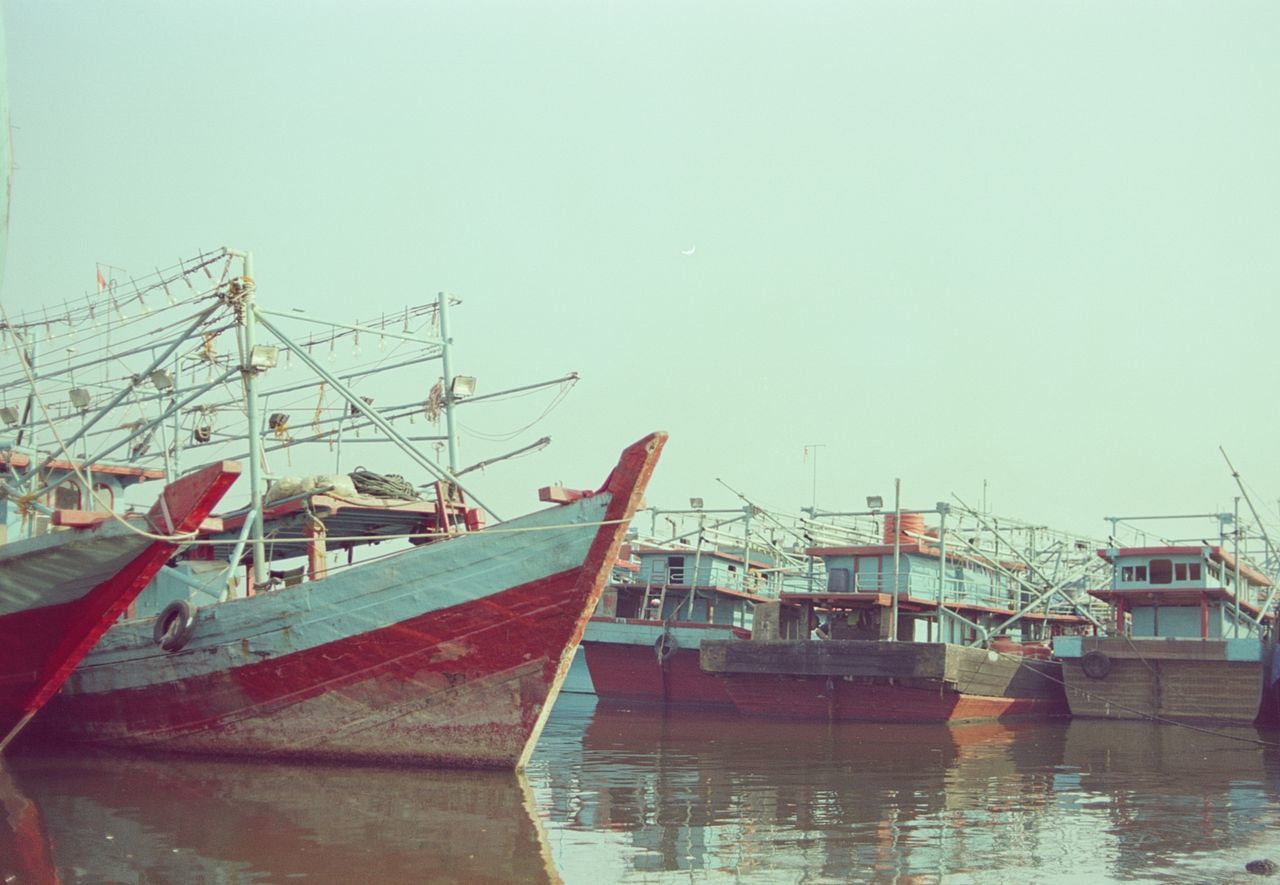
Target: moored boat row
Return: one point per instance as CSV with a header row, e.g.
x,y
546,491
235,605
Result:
x,y
905,630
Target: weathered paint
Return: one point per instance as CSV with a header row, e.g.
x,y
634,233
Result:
x,y
622,657
60,592
846,700
1189,679
449,654
850,680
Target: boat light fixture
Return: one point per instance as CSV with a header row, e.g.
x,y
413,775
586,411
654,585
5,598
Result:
x,y
462,385
161,379
79,397
875,502
263,356
9,415
695,503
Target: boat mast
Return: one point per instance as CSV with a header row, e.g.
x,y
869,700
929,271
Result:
x,y
446,343
897,555
250,375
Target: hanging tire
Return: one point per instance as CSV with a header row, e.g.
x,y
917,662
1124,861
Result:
x,y
664,646
1095,665
175,625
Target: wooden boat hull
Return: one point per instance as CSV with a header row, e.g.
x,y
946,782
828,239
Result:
x,y
60,592
867,681
638,662
1184,680
449,654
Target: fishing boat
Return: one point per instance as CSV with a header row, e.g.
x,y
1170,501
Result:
x,y
446,654
642,644
448,650
907,631
1190,639
62,588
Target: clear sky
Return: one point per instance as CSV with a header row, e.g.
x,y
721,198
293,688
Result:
x,y
1031,245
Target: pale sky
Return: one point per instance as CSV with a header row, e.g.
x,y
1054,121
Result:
x,y
1031,244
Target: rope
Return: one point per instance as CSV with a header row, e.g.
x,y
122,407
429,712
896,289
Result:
x,y
377,485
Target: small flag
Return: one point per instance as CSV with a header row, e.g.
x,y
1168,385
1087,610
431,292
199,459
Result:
x,y
102,283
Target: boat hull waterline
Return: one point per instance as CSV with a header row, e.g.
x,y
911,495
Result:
x,y
446,655
647,663
868,681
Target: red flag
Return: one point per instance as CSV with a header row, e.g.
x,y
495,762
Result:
x,y
102,283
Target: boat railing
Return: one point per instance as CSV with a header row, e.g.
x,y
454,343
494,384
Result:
x,y
958,591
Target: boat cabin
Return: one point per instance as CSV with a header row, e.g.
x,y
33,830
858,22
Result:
x,y
78,489
942,595
1191,592
680,584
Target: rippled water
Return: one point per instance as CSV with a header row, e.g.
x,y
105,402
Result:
x,y
622,795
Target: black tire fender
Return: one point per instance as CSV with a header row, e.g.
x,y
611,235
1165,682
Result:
x,y
1095,665
664,646
175,625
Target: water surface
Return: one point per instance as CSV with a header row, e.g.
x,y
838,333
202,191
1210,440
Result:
x,y
633,795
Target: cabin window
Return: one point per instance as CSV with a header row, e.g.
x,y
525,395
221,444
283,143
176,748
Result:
x,y
1133,573
675,569
1186,571
838,580
1213,570
1161,571
66,497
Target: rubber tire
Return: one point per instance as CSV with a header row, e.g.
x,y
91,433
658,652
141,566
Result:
x,y
1095,665
175,625
664,646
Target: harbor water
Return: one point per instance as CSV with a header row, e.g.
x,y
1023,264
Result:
x,y
616,795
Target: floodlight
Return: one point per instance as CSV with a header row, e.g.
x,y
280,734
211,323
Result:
x,y
695,503
462,385
79,397
9,415
874,502
263,356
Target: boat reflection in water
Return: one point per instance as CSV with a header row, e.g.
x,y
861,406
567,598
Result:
x,y
710,794
618,795
125,818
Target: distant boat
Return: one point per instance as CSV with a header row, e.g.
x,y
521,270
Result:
x,y
60,591
642,645
1190,640
891,641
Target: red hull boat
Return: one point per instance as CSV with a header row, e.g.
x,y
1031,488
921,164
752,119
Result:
x,y
60,592
447,654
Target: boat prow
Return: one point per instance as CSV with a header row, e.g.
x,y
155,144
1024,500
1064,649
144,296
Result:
x,y
60,592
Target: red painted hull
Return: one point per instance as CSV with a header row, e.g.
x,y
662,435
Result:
x,y
836,699
632,674
365,665
41,644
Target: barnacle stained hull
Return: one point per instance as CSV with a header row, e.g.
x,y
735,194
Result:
x,y
449,654
60,592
